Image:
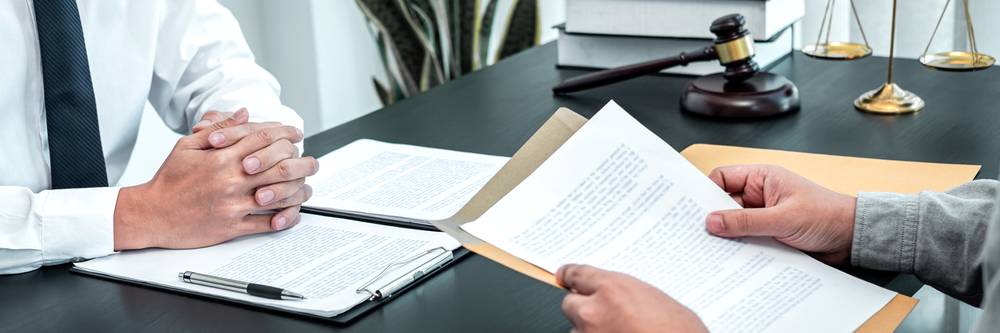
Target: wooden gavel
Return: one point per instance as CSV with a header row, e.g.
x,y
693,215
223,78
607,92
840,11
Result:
x,y
741,91
733,48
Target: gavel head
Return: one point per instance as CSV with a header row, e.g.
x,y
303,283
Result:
x,y
734,47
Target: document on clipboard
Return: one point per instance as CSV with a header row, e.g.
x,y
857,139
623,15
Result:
x,y
397,183
803,293
336,264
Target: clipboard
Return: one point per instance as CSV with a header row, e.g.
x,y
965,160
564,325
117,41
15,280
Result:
x,y
843,174
344,318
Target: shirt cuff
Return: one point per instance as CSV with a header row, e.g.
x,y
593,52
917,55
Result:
x,y
78,223
885,231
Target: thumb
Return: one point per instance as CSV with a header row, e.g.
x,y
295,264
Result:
x,y
746,222
210,118
199,140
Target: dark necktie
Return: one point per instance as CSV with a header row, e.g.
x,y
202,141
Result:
x,y
75,153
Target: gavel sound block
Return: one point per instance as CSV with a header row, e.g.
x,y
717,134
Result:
x,y
740,91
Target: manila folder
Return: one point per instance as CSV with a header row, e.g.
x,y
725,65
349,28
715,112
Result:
x,y
564,123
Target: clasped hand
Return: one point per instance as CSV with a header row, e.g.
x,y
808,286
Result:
x,y
228,179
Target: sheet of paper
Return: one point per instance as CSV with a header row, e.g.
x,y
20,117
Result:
x,y
325,259
615,196
395,180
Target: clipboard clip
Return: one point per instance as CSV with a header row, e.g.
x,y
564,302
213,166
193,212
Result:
x,y
438,257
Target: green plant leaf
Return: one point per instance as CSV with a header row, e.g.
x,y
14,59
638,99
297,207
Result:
x,y
485,32
423,43
464,14
425,75
401,40
422,40
522,30
430,30
426,24
383,92
392,74
442,19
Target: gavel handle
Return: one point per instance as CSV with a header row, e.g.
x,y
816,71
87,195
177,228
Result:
x,y
609,76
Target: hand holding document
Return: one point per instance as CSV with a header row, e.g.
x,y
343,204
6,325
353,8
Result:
x,y
617,197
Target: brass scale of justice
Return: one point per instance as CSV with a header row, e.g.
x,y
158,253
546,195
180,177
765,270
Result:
x,y
890,98
743,91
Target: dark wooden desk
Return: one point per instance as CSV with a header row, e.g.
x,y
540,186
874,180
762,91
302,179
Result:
x,y
494,111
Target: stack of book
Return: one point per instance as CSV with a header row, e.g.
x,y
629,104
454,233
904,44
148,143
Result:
x,y
611,33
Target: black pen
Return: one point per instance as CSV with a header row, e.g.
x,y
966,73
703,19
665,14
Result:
x,y
254,289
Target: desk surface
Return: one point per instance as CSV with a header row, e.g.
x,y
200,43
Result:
x,y
494,111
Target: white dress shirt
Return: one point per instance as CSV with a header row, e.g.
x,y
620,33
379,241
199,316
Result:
x,y
184,57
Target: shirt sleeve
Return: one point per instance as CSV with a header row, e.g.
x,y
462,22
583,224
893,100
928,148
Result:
x,y
54,226
936,236
202,63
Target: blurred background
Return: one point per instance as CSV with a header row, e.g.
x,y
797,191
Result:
x,y
325,55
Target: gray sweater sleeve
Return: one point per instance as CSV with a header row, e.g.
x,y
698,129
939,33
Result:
x,y
939,237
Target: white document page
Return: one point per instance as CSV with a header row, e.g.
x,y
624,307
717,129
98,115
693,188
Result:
x,y
325,259
394,180
616,196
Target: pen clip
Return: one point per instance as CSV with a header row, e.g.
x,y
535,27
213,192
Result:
x,y
375,293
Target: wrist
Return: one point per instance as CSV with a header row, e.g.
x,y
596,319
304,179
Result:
x,y
131,219
847,221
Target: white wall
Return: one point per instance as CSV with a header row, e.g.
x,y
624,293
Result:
x,y
324,57
914,24
322,54
346,60
986,16
841,28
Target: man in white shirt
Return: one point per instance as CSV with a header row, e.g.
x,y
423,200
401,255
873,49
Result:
x,y
76,77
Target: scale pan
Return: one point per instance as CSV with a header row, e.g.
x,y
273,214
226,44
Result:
x,y
957,61
838,51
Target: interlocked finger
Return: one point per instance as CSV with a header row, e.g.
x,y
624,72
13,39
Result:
x,y
266,158
287,170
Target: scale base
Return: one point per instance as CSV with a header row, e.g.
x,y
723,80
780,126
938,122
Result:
x,y
889,99
763,95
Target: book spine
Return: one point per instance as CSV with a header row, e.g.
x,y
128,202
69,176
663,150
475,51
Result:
x,y
681,18
601,52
